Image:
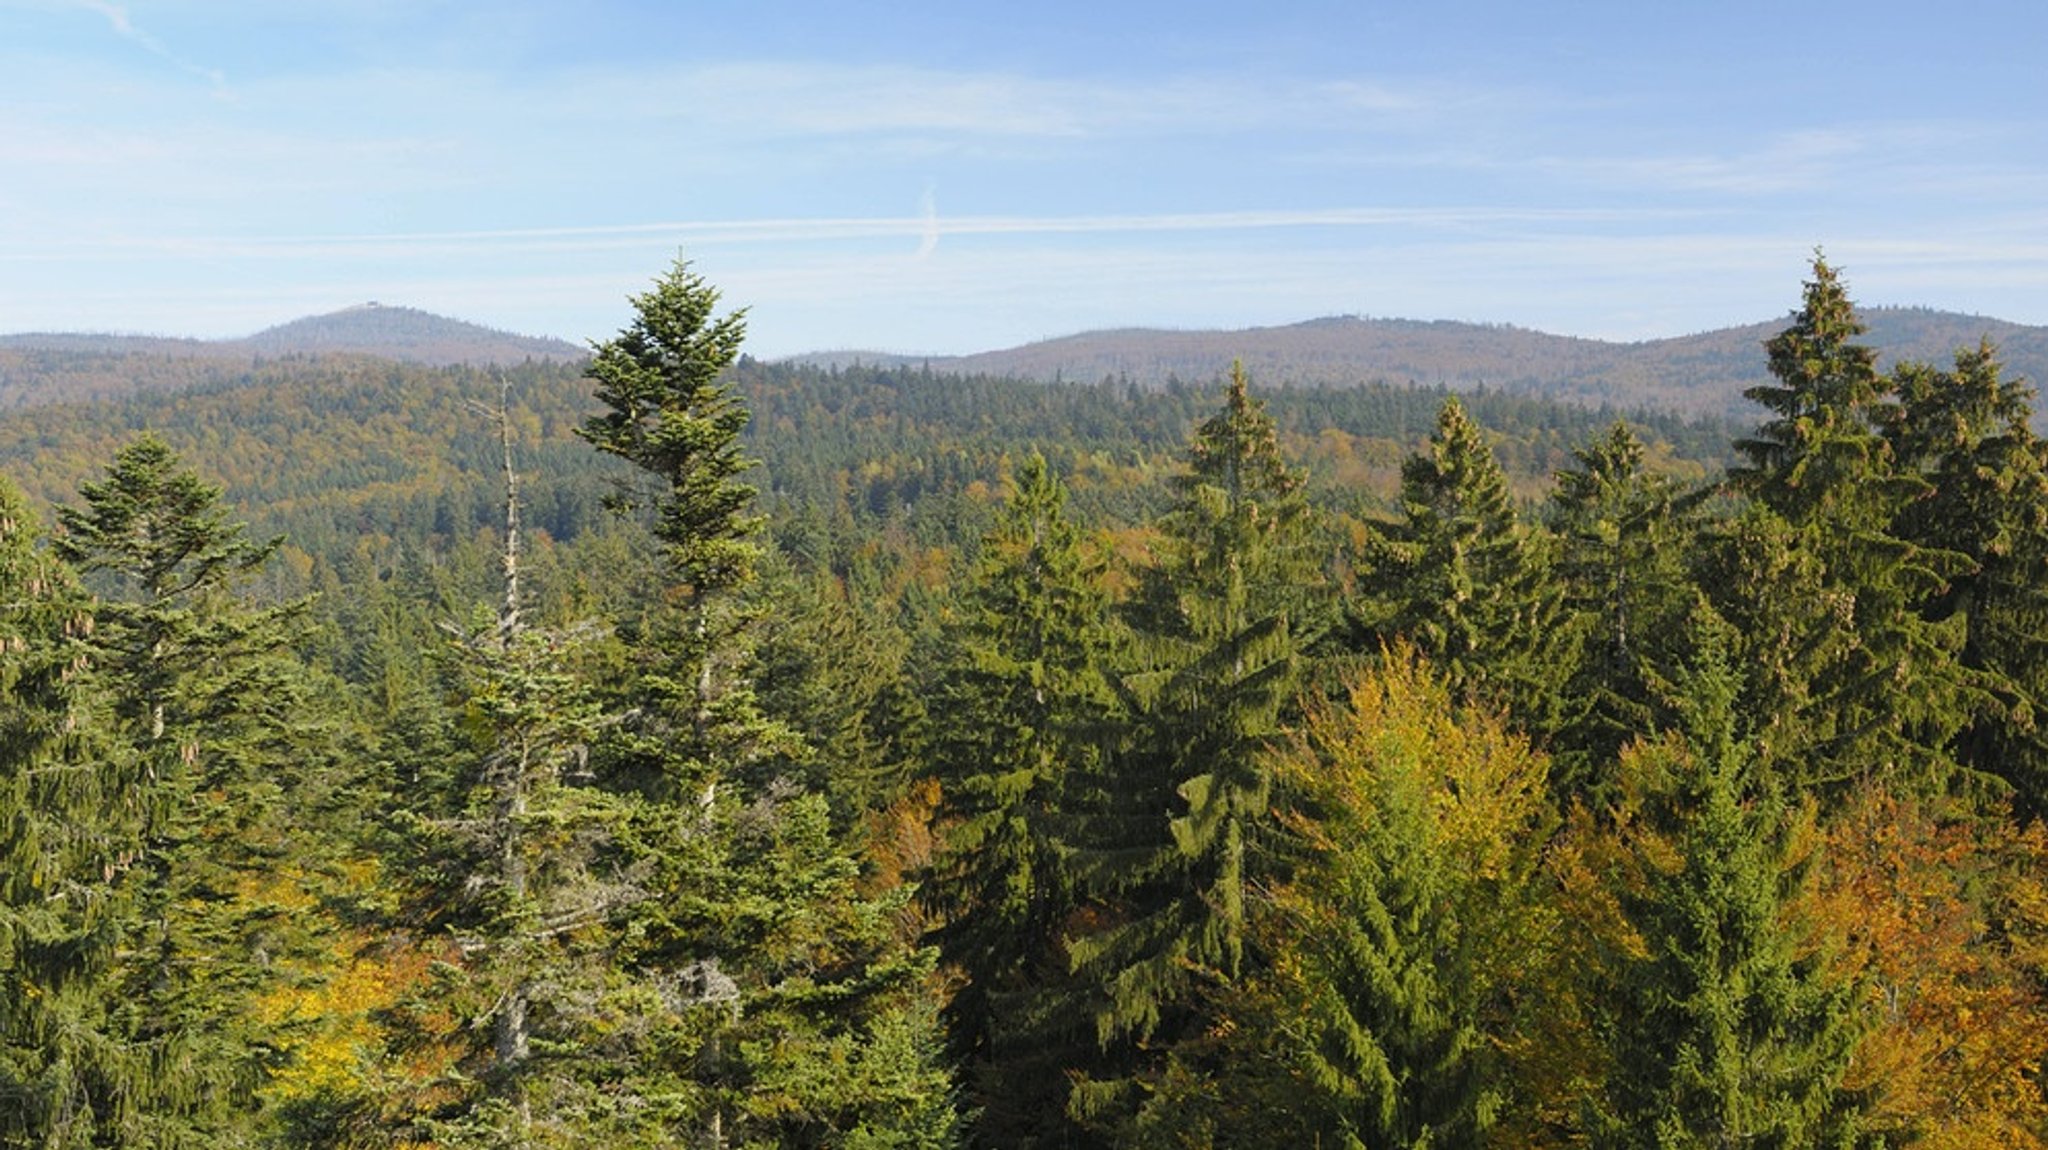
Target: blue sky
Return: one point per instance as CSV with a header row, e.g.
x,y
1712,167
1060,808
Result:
x,y
950,177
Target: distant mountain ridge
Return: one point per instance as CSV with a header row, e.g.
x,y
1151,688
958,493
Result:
x,y
1700,374
405,334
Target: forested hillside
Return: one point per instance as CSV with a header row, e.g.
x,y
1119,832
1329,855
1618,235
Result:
x,y
407,756
1702,373
342,453
50,362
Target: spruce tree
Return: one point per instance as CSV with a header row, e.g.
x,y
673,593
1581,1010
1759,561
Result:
x,y
70,831
1724,1026
1187,795
206,697
1967,433
1420,824
1817,570
1464,580
1626,593
1024,713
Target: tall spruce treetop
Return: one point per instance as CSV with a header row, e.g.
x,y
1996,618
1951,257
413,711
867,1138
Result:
x,y
1235,542
1967,432
158,525
1462,578
1175,855
1824,405
1621,565
779,1001
1881,690
674,417
1024,707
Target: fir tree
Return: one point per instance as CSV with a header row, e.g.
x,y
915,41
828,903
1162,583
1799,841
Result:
x,y
672,414
781,1003
521,863
207,699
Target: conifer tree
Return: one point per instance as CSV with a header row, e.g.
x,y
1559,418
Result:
x,y
206,697
1023,718
521,862
70,829
1188,795
1966,432
1464,580
1626,592
1406,927
781,1002
1881,692
672,414
1725,1026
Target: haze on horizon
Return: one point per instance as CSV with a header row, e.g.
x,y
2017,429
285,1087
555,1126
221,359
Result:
x,y
945,178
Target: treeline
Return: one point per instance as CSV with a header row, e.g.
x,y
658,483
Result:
x,y
1016,768
347,456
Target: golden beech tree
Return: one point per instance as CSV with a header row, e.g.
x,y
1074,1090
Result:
x,y
1944,919
1409,927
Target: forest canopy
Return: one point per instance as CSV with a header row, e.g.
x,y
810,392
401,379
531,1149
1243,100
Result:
x,y
675,749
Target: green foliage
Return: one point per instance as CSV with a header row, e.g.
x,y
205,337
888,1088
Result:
x,y
1464,580
1966,433
207,701
1626,590
1022,708
1413,918
673,416
636,861
1815,572
69,828
755,995
1728,1027
1187,794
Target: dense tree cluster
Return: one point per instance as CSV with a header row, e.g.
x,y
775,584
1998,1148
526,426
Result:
x,y
1274,787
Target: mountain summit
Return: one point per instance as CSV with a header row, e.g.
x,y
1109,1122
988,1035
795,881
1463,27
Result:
x,y
406,334
402,333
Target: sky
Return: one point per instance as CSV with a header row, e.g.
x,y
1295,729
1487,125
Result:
x,y
955,176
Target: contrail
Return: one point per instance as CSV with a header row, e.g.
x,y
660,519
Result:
x,y
117,18
928,240
821,230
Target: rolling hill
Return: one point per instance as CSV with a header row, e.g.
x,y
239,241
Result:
x,y
1695,374
1701,374
39,368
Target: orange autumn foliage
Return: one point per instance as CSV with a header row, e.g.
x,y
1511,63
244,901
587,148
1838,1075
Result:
x,y
1942,918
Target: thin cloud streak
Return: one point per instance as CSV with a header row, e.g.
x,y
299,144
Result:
x,y
926,227
118,19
